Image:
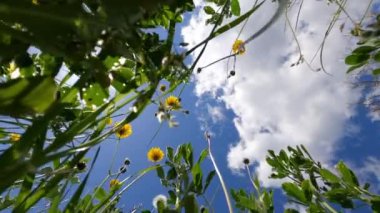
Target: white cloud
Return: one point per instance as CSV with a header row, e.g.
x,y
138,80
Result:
x,y
277,105
371,168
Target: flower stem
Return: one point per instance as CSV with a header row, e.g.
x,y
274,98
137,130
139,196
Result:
x,y
219,174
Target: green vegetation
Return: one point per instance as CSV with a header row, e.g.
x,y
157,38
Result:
x,y
119,62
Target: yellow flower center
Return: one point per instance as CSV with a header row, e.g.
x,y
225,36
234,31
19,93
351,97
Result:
x,y
155,154
125,131
173,102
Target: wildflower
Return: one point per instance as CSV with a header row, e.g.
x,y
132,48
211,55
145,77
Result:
x,y
173,102
125,131
159,200
35,2
155,154
108,120
14,137
238,47
114,183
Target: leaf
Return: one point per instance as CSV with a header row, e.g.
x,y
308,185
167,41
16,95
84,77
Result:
x,y
196,171
329,176
294,191
203,155
27,95
100,193
172,174
209,178
169,153
354,67
347,175
95,95
235,22
376,72
235,7
160,172
341,196
190,204
355,59
364,49
375,204
290,211
209,10
376,57
307,188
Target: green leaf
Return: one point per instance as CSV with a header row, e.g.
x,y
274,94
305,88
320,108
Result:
x,y
27,95
235,22
329,176
347,175
160,172
235,7
290,211
341,196
375,204
355,59
95,95
209,10
169,153
209,178
376,57
100,193
190,204
376,72
172,174
364,49
354,67
307,188
294,191
196,171
203,155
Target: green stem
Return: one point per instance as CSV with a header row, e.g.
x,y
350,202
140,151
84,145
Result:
x,y
140,175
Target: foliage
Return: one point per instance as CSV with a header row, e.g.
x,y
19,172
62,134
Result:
x,y
316,187
184,179
365,58
68,66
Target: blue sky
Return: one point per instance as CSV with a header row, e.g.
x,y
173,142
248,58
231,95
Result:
x,y
293,104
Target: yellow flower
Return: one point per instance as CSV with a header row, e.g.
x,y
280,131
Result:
x,y
35,2
155,154
14,137
125,131
108,121
172,102
238,47
114,183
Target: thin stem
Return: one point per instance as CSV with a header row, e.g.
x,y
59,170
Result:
x,y
140,175
226,195
114,155
210,36
96,191
366,11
